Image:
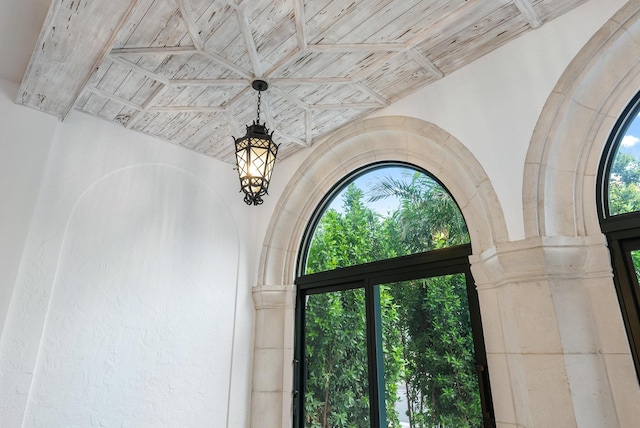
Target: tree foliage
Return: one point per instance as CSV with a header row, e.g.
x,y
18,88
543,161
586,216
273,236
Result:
x,y
624,184
427,342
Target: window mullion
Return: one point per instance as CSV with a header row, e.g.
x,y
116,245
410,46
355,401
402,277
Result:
x,y
376,356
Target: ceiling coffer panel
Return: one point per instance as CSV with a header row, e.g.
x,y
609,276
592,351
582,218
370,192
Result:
x,y
181,70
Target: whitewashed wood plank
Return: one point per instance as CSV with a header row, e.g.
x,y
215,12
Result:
x,y
310,80
212,21
347,65
99,72
142,70
366,19
315,7
232,66
110,110
319,22
94,104
124,116
147,92
189,129
110,96
141,8
398,22
136,88
64,58
209,82
293,56
161,26
273,27
82,99
180,109
406,74
208,128
372,94
485,35
357,47
143,119
550,9
169,93
161,51
216,96
226,42
454,22
187,95
113,78
308,137
176,120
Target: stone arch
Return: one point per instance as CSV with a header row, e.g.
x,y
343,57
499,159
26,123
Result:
x,y
392,138
389,138
562,160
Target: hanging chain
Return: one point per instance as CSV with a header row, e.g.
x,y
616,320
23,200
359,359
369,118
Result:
x,y
258,120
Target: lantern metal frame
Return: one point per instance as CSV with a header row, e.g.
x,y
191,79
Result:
x,y
255,156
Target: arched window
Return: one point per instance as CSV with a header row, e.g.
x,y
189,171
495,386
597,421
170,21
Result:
x,y
619,213
387,316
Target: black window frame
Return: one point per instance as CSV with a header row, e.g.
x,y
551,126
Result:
x,y
623,234
446,261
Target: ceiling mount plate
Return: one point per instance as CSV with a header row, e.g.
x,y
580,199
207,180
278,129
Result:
x,y
259,85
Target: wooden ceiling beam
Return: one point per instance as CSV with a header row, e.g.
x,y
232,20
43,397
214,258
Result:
x,y
300,21
209,82
530,15
190,22
150,100
228,64
250,44
425,63
135,67
113,97
366,89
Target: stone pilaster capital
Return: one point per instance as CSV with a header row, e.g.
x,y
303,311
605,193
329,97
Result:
x,y
542,259
273,296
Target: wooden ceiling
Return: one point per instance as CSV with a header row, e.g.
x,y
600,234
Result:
x,y
181,70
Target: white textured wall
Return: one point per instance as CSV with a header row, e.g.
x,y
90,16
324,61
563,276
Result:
x,y
493,104
132,305
25,138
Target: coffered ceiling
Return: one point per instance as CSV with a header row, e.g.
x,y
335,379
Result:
x,y
181,70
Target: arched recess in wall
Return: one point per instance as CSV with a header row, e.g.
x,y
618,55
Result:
x,y
146,277
389,138
575,123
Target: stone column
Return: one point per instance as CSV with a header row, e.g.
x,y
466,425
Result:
x,y
273,356
556,344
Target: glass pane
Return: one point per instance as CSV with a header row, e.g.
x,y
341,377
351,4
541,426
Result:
x,y
624,179
429,361
635,258
387,212
337,388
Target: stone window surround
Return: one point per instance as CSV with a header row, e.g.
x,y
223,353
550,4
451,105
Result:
x,y
557,351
